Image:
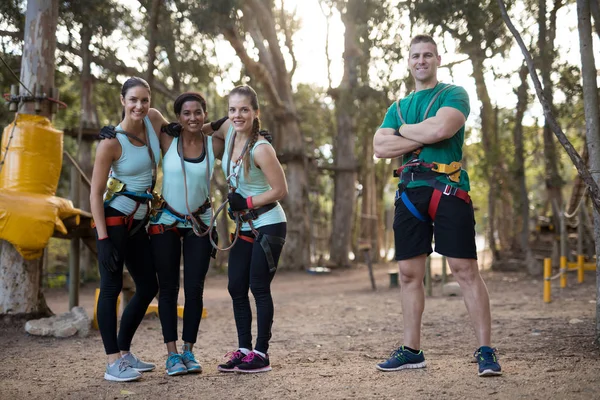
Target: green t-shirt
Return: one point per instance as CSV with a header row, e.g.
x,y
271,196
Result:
x,y
413,109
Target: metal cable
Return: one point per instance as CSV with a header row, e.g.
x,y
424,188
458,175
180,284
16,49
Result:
x,y
16,77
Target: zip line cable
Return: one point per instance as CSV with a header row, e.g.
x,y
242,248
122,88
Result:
x,y
10,139
16,114
16,77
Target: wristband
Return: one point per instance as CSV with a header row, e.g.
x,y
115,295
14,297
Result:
x,y
249,202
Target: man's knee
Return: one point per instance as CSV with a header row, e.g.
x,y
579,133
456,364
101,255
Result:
x,y
412,270
464,270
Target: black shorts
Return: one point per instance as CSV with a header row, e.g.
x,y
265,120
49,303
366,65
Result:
x,y
454,227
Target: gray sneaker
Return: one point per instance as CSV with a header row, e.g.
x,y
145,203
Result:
x,y
189,360
175,365
138,364
121,371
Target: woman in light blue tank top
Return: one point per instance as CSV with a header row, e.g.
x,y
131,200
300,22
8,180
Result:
x,y
183,218
120,228
258,182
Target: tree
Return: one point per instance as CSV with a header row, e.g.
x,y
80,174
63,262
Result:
x,y
592,120
251,28
521,203
21,279
547,55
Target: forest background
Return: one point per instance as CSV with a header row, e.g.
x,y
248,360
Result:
x,y
326,71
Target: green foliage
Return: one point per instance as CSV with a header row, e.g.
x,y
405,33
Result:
x,y
474,23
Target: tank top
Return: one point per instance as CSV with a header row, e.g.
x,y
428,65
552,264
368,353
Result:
x,y
173,189
252,185
134,169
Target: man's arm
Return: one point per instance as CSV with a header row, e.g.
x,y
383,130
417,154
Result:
x,y
442,126
388,145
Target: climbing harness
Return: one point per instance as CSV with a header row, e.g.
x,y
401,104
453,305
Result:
x,y
230,175
157,229
240,217
115,187
418,170
198,227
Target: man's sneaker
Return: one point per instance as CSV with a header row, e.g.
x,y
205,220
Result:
x,y
488,363
189,360
175,365
121,371
254,362
402,359
138,364
234,359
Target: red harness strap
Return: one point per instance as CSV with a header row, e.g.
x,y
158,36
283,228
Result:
x,y
241,237
448,191
117,221
121,219
157,229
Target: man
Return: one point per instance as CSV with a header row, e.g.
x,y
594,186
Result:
x,y
427,128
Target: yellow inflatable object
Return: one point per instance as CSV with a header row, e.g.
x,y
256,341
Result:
x,y
29,211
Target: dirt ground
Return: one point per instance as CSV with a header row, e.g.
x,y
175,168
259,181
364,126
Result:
x,y
329,332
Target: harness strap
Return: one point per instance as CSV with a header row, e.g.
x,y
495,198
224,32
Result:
x,y
411,207
184,218
158,229
433,99
254,213
125,220
265,242
439,189
196,223
245,238
434,203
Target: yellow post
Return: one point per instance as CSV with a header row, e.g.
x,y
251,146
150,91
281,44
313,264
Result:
x,y
547,282
563,271
580,268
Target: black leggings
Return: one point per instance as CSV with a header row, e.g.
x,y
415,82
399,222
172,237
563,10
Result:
x,y
166,248
248,269
135,252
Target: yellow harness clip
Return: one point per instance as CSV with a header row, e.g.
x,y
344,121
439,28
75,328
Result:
x,y
113,185
452,170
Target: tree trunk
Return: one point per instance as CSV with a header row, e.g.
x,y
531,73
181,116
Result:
x,y
20,284
89,119
345,160
152,39
371,216
592,121
546,48
595,11
502,181
487,127
521,199
20,279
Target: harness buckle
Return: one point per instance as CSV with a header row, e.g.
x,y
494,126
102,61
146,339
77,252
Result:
x,y
449,190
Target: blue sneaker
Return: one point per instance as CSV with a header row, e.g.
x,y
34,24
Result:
x,y
189,360
175,365
402,359
488,363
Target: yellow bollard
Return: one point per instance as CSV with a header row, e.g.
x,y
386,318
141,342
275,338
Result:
x,y
563,271
547,282
580,262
